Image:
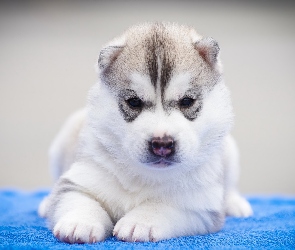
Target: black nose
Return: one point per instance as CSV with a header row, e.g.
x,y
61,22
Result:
x,y
164,146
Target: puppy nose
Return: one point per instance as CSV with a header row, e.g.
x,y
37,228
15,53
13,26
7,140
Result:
x,y
163,146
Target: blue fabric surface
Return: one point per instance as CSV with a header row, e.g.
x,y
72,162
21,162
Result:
x,y
272,227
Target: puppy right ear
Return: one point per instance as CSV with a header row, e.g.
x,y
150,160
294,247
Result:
x,y
208,49
108,55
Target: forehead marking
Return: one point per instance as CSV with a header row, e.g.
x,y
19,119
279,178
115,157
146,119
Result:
x,y
178,85
159,59
141,84
151,60
166,72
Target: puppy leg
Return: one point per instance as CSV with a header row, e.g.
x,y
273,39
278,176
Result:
x,y
236,205
42,210
63,150
75,215
155,222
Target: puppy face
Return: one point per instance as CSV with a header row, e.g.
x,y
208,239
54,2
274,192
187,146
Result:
x,y
165,103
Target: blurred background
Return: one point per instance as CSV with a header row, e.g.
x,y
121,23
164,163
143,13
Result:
x,y
47,55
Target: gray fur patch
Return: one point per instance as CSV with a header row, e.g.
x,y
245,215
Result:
x,y
191,112
62,188
212,220
65,186
129,113
151,58
159,58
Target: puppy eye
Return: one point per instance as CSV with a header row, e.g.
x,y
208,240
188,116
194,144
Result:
x,y
134,102
186,102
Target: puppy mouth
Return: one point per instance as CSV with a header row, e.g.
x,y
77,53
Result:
x,y
161,163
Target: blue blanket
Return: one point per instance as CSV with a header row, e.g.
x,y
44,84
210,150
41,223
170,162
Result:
x,y
272,227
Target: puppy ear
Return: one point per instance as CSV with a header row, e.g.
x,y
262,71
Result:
x,y
108,55
208,49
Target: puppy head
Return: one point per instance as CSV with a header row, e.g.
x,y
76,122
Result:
x,y
161,99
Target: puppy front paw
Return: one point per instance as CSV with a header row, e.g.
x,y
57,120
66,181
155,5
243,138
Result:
x,y
237,206
76,230
139,229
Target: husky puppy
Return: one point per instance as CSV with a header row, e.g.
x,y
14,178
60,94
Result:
x,y
150,157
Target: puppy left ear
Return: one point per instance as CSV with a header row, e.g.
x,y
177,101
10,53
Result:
x,y
111,51
108,55
209,50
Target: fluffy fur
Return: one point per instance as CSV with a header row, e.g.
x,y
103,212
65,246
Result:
x,y
156,81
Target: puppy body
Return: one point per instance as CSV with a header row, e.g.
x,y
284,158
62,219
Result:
x,y
150,157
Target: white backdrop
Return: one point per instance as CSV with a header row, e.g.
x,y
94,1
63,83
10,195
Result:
x,y
47,57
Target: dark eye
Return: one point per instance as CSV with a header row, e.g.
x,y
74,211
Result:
x,y
134,102
186,102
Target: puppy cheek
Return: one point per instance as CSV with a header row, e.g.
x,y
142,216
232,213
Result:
x,y
188,144
135,145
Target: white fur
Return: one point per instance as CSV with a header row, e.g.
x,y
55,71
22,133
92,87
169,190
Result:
x,y
178,85
109,188
140,83
62,152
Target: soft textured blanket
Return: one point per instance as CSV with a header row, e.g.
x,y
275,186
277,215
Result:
x,y
271,227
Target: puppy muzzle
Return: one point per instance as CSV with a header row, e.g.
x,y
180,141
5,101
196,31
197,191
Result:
x,y
162,146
